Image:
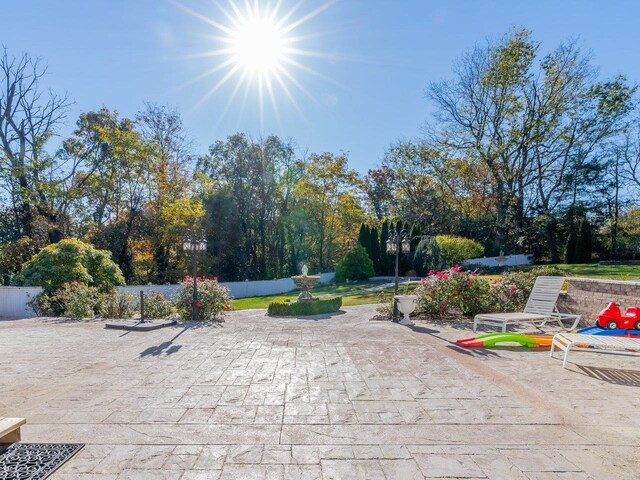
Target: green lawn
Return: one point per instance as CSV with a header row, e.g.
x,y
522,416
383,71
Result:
x,y
611,272
352,294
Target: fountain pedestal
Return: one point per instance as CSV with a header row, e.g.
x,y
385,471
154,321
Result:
x,y
305,283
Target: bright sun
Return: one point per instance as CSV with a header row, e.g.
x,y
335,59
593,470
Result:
x,y
260,48
258,44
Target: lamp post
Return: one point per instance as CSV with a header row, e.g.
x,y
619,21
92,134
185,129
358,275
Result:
x,y
397,242
194,242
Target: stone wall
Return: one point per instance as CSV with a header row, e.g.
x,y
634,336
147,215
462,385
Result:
x,y
587,297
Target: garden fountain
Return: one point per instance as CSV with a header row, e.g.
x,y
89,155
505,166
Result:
x,y
305,283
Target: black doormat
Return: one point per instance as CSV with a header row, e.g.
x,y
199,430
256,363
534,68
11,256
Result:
x,y
34,461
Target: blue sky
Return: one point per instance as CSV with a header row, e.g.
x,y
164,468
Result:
x,y
377,57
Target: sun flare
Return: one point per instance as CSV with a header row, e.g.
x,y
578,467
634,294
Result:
x,y
260,48
258,44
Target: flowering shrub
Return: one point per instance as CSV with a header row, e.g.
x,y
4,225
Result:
x,y
157,306
72,299
115,305
213,299
453,291
511,291
78,299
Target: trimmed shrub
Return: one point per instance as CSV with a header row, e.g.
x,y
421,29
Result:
x,y
157,306
456,250
317,306
356,265
541,270
69,261
213,299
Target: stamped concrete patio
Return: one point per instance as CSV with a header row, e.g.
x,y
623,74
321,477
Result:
x,y
336,398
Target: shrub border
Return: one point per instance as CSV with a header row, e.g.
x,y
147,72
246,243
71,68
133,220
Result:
x,y
317,306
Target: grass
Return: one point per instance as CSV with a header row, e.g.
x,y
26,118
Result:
x,y
352,294
609,272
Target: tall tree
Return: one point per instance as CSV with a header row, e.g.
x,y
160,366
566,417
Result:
x,y
326,191
29,117
533,125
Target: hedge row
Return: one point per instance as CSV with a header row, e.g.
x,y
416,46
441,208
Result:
x,y
317,306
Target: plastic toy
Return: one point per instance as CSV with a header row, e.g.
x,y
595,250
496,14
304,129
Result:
x,y
491,339
611,318
541,341
616,332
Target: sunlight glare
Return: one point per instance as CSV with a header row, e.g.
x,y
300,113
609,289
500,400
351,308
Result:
x,y
260,48
258,45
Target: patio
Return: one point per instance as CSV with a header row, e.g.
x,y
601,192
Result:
x,y
337,398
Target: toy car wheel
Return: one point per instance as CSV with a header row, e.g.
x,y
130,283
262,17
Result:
x,y
636,326
612,325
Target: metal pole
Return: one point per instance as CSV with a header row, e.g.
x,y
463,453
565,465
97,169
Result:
x,y
194,309
141,306
395,290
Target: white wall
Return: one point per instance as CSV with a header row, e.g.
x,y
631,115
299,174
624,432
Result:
x,y
13,300
254,288
512,261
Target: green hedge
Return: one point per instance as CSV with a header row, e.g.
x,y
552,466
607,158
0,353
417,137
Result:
x,y
316,306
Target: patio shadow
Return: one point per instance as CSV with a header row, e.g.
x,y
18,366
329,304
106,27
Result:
x,y
629,378
167,348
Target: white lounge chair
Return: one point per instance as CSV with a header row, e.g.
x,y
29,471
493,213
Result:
x,y
541,307
598,343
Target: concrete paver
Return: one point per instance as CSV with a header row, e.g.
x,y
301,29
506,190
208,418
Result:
x,y
326,398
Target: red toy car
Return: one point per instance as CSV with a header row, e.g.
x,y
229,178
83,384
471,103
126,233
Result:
x,y
611,318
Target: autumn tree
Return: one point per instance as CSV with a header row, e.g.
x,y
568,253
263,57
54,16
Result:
x,y
327,194
532,122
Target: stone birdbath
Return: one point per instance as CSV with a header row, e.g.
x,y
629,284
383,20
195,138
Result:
x,y
305,283
406,305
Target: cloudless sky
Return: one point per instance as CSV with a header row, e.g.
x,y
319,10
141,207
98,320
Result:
x,y
375,59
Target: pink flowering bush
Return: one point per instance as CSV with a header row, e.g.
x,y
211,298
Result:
x,y
213,299
511,292
453,291
157,305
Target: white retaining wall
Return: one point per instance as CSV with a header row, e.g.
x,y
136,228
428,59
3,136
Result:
x,y
512,261
13,300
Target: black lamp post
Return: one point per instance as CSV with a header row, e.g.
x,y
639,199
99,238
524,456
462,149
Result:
x,y
397,242
194,242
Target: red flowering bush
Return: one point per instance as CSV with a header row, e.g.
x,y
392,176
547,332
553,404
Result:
x,y
213,299
453,291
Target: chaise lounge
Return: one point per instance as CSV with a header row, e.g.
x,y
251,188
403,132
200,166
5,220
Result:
x,y
541,307
595,343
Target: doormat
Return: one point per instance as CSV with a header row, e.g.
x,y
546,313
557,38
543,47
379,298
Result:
x,y
34,461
